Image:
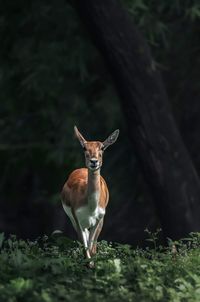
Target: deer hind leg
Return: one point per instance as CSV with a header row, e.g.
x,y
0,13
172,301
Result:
x,y
69,213
94,234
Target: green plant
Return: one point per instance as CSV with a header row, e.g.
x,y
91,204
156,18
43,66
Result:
x,y
54,269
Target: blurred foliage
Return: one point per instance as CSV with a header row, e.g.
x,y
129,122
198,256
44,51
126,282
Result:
x,y
54,269
52,77
47,79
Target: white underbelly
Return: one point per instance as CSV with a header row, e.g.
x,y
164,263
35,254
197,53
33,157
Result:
x,y
88,219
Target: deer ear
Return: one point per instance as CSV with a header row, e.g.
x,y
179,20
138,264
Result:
x,y
111,139
80,137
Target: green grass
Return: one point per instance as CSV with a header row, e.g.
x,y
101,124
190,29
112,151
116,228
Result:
x,y
53,269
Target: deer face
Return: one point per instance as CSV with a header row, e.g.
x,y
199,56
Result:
x,y
94,149
93,155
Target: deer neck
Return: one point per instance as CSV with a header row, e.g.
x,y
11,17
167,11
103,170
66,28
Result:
x,y
93,192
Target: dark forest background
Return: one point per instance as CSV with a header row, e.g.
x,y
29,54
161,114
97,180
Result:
x,y
51,78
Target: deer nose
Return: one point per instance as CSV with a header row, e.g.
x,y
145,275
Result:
x,y
94,161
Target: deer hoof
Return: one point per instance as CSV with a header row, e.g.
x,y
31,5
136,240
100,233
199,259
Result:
x,y
91,264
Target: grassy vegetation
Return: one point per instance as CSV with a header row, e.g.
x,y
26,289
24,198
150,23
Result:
x,y
53,269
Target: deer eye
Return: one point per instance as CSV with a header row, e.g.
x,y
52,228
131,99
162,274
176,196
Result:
x,y
86,153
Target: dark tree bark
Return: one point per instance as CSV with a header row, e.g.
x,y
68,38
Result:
x,y
167,166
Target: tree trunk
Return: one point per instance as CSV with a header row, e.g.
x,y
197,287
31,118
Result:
x,y
167,166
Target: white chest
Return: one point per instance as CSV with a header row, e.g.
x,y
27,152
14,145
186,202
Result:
x,y
88,218
93,200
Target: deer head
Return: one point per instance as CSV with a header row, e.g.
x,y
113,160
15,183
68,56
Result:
x,y
94,149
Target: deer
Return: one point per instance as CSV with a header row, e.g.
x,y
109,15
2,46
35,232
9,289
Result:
x,y
85,194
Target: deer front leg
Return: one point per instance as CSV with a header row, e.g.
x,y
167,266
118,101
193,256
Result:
x,y
85,239
94,234
84,235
